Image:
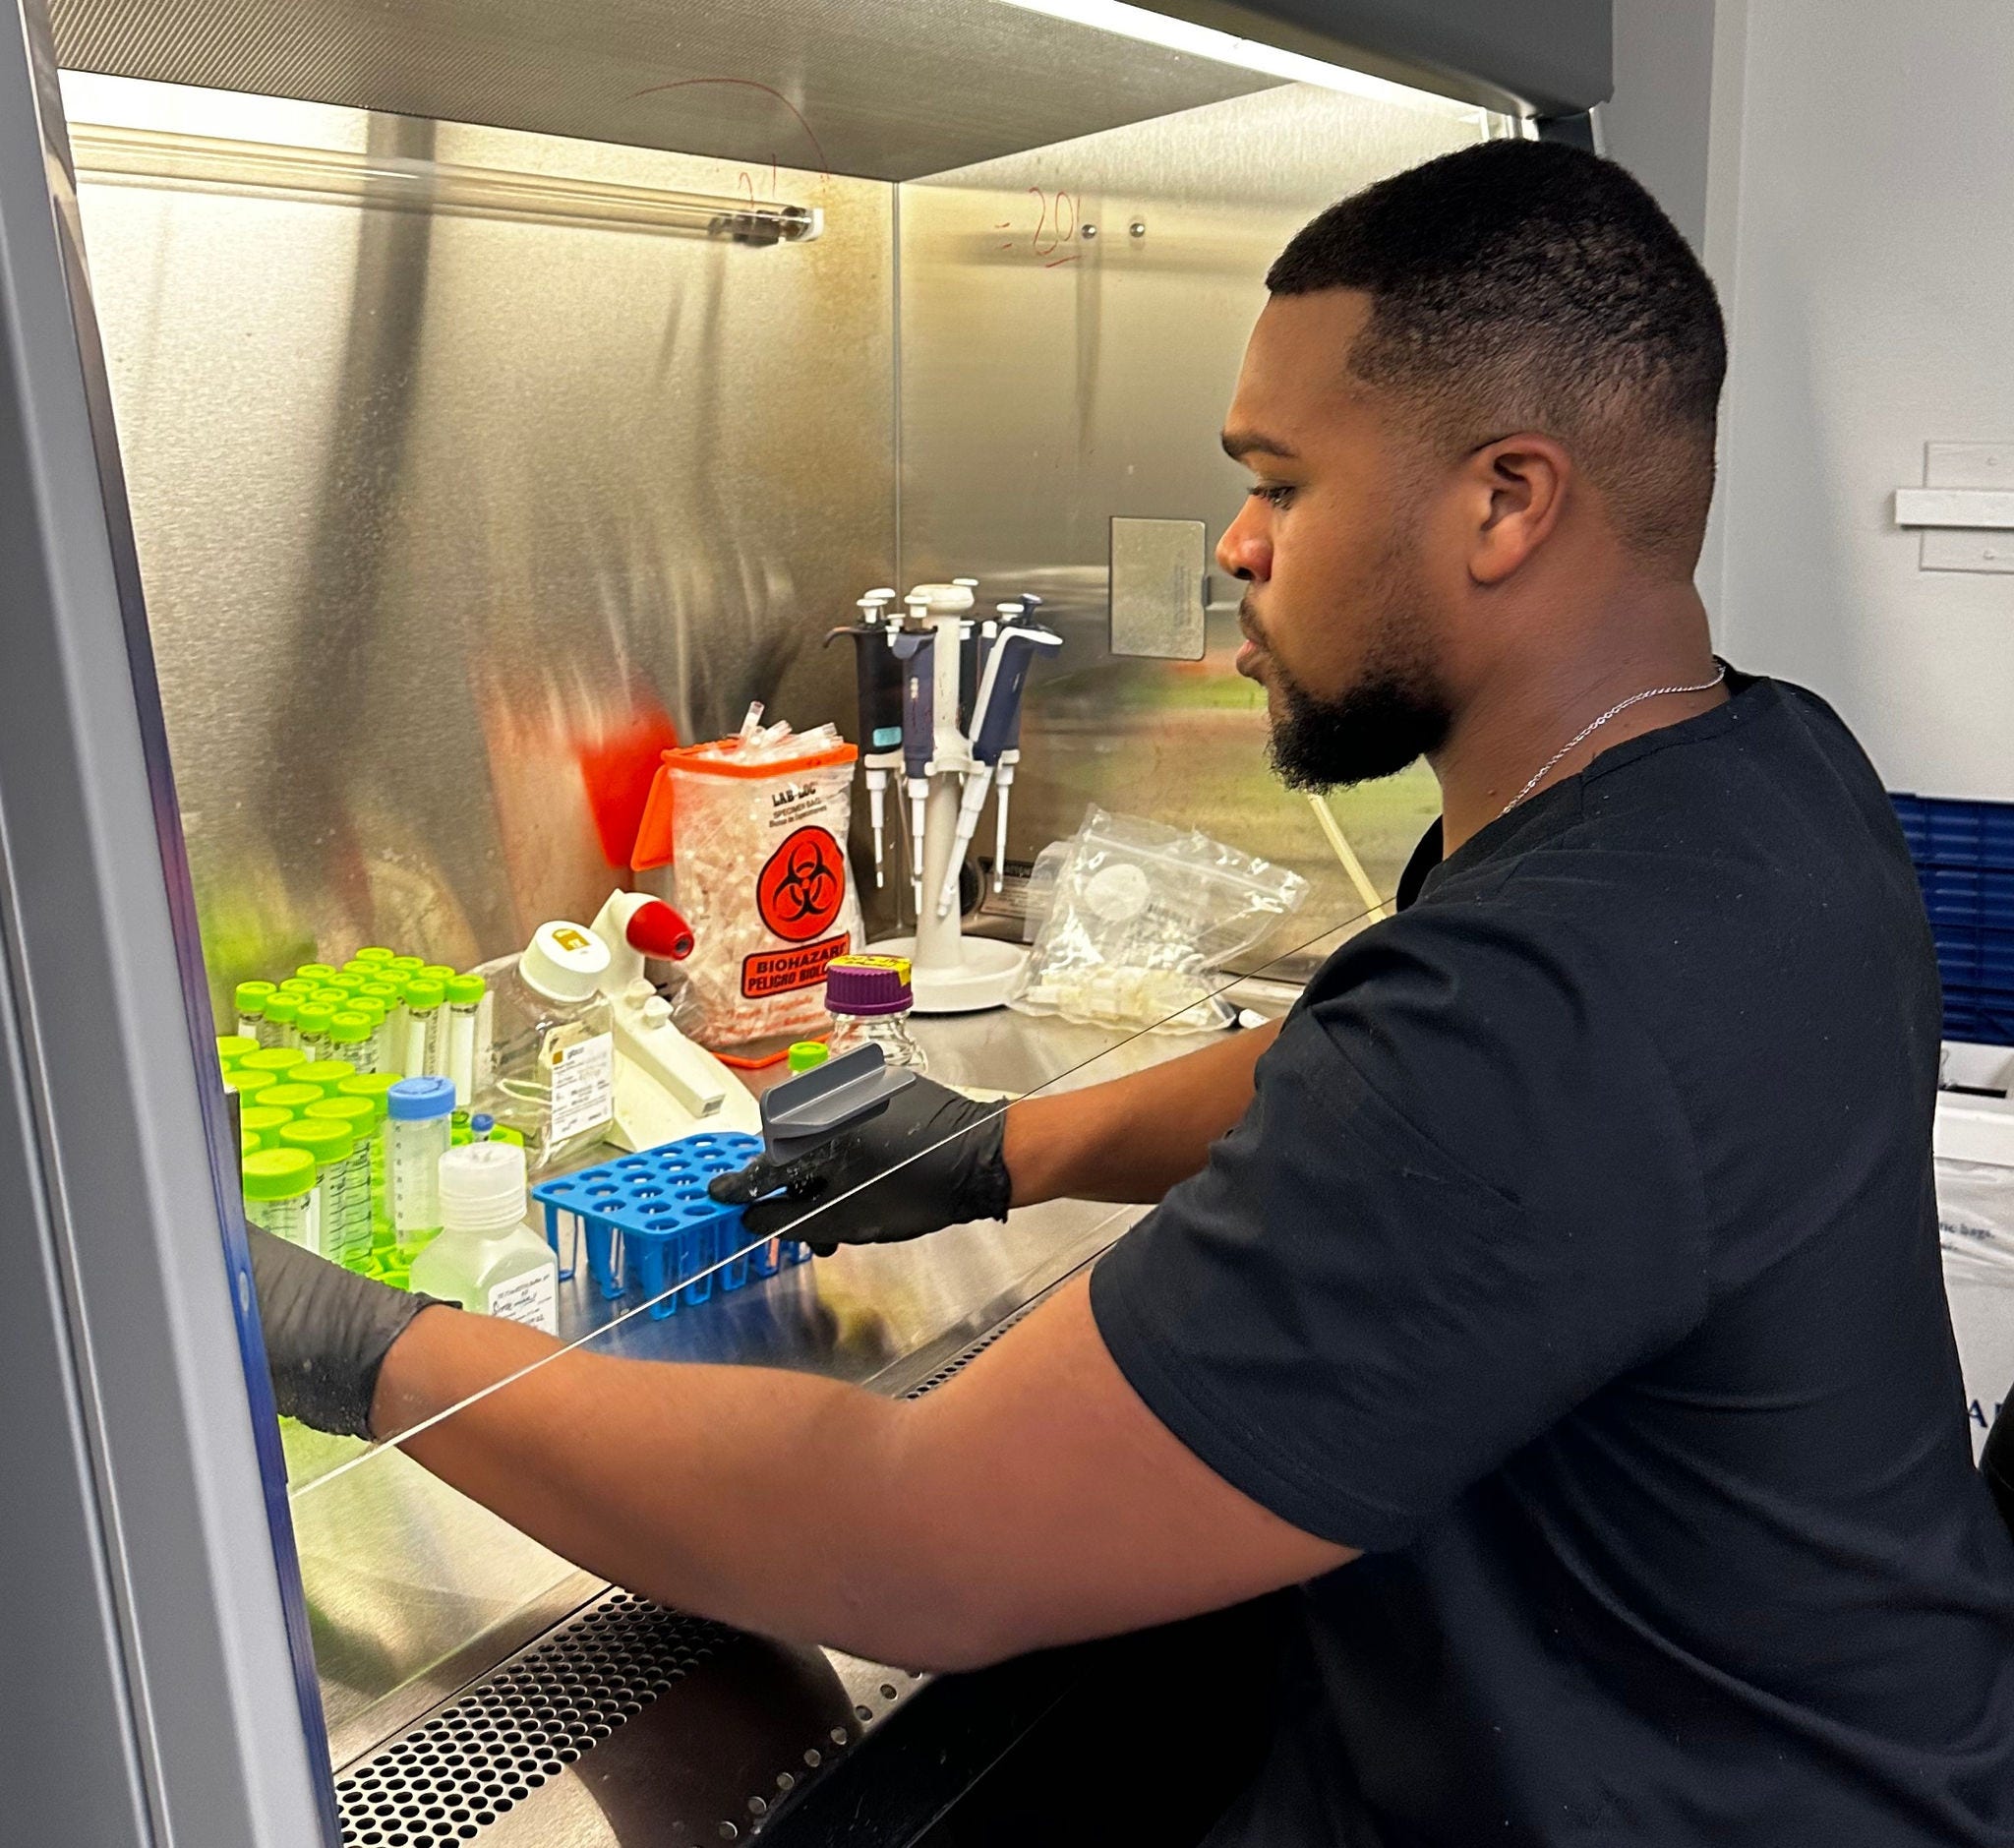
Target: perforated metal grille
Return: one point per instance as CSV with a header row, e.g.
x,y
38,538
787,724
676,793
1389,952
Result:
x,y
480,1758
960,1362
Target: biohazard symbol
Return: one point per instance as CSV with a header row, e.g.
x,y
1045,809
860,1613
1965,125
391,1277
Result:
x,y
802,886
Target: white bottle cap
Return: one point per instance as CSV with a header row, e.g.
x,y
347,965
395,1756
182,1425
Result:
x,y
565,962
482,1187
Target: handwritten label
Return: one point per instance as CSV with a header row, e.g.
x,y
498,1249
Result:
x,y
533,1300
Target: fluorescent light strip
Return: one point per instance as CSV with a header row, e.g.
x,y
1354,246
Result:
x,y
1251,54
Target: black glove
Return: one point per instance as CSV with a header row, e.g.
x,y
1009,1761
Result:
x,y
327,1331
930,1160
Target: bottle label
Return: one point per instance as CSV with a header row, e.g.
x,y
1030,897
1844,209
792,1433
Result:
x,y
583,1074
533,1300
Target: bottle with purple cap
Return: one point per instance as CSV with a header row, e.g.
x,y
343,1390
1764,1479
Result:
x,y
868,998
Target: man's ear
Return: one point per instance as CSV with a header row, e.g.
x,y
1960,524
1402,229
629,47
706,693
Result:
x,y
1516,491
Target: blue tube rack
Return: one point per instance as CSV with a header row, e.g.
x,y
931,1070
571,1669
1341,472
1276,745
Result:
x,y
646,1219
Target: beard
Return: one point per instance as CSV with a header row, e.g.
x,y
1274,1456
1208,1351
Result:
x,y
1378,728
1393,715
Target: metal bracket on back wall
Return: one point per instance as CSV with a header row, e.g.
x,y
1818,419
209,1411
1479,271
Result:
x,y
1157,588
1964,509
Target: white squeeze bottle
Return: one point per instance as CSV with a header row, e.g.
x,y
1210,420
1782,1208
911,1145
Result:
x,y
487,1258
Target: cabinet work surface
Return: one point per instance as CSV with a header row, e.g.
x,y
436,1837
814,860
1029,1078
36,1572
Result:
x,y
416,1594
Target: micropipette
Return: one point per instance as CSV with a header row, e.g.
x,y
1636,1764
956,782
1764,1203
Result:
x,y
914,651
878,678
996,718
1010,756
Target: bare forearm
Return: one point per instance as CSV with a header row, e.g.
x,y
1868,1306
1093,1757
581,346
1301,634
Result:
x,y
764,1499
1134,1138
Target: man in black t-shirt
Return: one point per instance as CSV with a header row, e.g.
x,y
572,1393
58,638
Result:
x,y
1553,1298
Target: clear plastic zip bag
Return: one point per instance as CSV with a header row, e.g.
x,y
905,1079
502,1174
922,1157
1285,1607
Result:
x,y
1143,918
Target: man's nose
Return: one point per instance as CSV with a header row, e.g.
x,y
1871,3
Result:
x,y
1244,551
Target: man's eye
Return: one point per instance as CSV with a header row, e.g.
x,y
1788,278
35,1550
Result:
x,y
1277,492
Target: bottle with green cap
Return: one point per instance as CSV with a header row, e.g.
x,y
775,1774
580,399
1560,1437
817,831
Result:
x,y
437,972
292,1099
262,1120
311,1029
300,985
281,1195
380,1015
319,973
371,953
326,1075
381,999
277,1059
464,999
807,1055
332,1145
250,998
349,1037
375,1088
282,1007
249,1082
357,1115
409,964
232,1046
424,1040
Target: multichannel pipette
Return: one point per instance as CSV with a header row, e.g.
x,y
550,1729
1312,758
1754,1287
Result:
x,y
877,677
996,718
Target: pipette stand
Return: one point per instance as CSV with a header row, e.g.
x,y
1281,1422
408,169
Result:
x,y
950,973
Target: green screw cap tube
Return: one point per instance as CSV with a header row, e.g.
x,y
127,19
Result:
x,y
326,1141
372,1086
282,1008
358,1112
247,1082
262,1117
274,1058
323,1074
807,1055
321,970
279,1174
232,1046
373,953
292,1099
349,1028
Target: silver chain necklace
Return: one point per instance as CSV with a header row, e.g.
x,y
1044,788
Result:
x,y
1586,732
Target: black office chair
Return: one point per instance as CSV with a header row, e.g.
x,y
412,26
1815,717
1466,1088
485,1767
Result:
x,y
1997,1461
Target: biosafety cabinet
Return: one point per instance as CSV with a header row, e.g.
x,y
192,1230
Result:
x,y
411,417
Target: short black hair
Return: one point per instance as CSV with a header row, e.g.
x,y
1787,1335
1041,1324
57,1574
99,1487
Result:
x,y
1519,285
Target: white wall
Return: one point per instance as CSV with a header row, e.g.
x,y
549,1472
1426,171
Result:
x,y
1861,225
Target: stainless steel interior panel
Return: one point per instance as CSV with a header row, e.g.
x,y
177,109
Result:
x,y
1053,379
878,88
431,510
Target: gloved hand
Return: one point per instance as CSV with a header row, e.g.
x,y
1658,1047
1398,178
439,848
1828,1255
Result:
x,y
328,1332
930,1160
